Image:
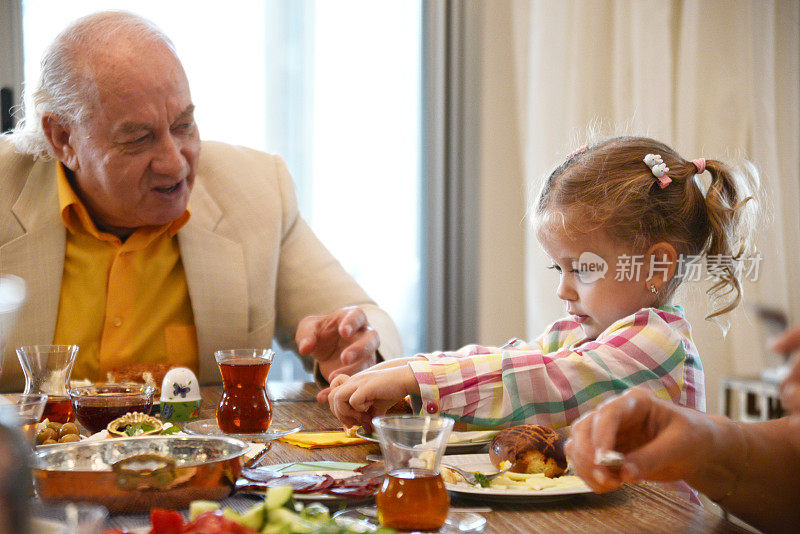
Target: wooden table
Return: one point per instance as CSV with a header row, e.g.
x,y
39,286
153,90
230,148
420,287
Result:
x,y
636,508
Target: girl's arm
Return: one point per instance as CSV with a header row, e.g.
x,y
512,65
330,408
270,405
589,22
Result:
x,y
357,399
650,348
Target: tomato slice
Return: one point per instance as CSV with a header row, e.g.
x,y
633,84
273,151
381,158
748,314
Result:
x,y
166,521
213,523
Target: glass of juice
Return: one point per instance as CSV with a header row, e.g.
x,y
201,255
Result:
x,y
413,496
244,407
47,369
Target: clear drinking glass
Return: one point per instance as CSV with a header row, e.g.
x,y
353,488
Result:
x,y
47,369
30,407
68,518
413,496
16,482
244,407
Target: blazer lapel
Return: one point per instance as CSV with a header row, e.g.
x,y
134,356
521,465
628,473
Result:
x,y
37,255
215,273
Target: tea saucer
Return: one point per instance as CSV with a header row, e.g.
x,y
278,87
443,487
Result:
x,y
366,518
278,429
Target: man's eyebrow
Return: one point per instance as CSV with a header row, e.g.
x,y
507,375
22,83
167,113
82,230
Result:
x,y
186,112
132,127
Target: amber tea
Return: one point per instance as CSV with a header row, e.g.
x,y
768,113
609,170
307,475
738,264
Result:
x,y
412,499
58,409
244,407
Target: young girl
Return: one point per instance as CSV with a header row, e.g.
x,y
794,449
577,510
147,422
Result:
x,y
623,221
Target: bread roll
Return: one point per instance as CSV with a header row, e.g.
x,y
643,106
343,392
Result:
x,y
149,374
531,448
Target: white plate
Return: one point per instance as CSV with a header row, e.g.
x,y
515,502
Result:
x,y
461,447
481,463
278,429
332,468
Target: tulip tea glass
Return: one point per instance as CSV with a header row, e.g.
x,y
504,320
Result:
x,y
413,495
30,407
47,369
244,407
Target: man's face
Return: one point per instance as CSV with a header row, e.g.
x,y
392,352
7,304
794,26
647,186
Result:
x,y
136,153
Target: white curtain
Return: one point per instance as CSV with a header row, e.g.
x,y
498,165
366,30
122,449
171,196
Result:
x,y
714,79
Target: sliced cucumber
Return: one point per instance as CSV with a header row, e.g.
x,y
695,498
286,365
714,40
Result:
x,y
275,528
277,496
254,517
281,516
198,507
233,515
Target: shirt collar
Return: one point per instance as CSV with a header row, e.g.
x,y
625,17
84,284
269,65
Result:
x,y
76,217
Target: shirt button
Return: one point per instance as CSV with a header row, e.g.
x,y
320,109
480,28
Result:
x,y
117,321
432,408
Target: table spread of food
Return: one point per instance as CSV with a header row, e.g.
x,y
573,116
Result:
x,y
151,470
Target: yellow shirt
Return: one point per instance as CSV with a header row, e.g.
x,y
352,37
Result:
x,y
122,303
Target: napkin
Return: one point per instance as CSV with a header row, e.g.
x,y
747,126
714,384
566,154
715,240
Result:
x,y
313,440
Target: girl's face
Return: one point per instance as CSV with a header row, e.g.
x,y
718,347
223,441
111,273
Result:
x,y
599,282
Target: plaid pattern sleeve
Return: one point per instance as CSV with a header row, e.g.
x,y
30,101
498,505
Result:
x,y
559,376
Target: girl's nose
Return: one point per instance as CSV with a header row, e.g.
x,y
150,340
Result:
x,y
566,288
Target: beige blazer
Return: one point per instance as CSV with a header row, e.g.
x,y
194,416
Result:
x,y
253,266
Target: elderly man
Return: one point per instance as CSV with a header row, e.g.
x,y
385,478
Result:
x,y
96,216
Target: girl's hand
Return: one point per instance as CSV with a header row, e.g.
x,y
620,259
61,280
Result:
x,y
660,441
355,400
322,396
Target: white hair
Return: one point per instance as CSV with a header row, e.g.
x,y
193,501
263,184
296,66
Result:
x,y
66,84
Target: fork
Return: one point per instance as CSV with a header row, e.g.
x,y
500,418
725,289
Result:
x,y
469,476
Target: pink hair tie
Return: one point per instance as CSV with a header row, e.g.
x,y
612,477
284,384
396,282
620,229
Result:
x,y
579,150
700,163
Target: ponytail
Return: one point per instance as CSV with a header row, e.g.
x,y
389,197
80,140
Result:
x,y
731,211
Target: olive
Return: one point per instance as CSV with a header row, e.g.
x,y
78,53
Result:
x,y
49,441
55,425
67,438
67,428
45,434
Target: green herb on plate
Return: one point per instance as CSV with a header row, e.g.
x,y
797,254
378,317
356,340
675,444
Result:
x,y
481,479
140,428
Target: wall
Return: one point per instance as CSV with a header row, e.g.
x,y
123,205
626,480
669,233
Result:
x,y
10,63
501,295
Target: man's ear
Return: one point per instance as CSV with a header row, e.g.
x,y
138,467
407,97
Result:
x,y
662,263
59,136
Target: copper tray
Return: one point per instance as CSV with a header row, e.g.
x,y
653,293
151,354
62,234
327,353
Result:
x,y
135,474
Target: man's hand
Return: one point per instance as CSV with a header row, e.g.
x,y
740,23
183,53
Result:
x,y
356,399
661,441
341,342
787,343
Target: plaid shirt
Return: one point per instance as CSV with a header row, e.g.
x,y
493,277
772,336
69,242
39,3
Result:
x,y
562,374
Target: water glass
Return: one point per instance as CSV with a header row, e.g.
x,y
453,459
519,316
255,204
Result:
x,y
244,407
47,370
413,495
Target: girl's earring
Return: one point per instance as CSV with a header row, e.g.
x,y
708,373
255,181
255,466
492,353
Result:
x,y
653,289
